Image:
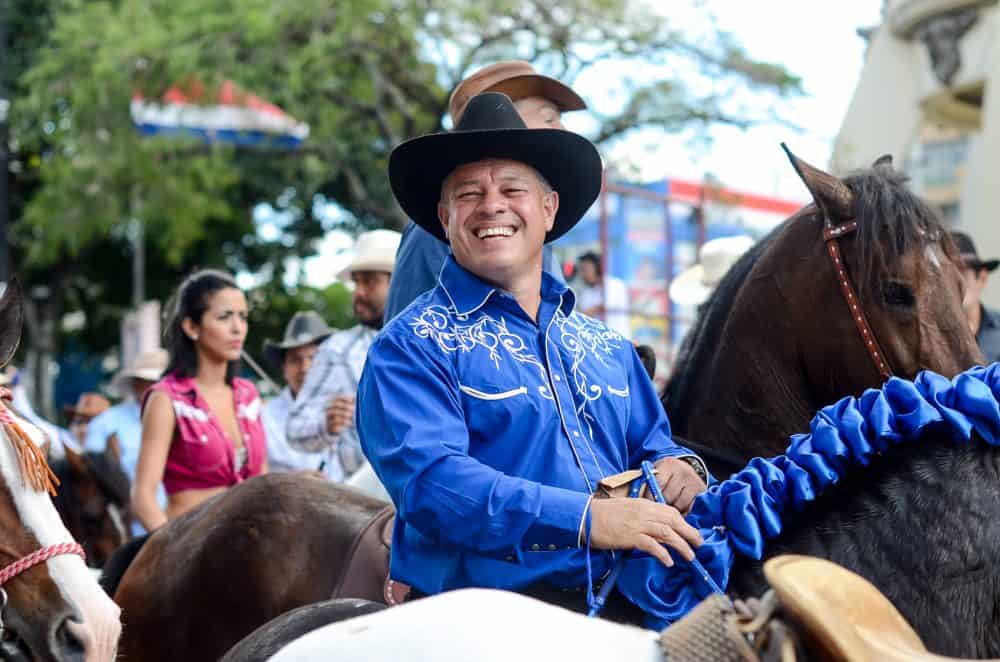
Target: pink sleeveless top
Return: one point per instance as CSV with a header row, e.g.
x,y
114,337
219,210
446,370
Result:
x,y
201,455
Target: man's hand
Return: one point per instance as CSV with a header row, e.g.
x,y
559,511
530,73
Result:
x,y
644,525
340,413
679,483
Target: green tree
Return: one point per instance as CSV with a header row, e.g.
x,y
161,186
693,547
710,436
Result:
x,y
364,75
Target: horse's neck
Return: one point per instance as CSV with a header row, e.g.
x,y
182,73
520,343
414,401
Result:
x,y
921,524
749,403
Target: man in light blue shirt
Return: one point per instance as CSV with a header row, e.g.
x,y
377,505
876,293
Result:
x,y
490,408
120,427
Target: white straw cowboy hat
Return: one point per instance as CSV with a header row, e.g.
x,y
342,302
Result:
x,y
373,251
148,366
695,284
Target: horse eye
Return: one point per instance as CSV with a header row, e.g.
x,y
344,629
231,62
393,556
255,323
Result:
x,y
897,294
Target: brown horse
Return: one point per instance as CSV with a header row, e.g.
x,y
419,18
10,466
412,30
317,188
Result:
x,y
205,580
778,340
50,602
201,581
93,501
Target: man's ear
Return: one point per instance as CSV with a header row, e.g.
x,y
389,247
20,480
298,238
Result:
x,y
550,205
443,216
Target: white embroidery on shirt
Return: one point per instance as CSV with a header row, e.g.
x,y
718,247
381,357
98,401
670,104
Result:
x,y
184,410
249,411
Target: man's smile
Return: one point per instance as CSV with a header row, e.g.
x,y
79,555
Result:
x,y
495,232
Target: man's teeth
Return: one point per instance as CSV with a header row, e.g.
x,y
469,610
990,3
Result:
x,y
495,232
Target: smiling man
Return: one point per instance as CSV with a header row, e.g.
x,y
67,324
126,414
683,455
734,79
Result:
x,y
491,408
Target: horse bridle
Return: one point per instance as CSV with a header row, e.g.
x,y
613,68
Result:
x,y
39,556
831,235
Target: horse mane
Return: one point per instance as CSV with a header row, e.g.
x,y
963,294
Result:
x,y
883,206
702,342
121,559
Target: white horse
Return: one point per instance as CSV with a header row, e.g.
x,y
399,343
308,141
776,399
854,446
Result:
x,y
473,624
49,598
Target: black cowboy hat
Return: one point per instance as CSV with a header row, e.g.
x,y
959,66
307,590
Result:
x,y
305,328
969,254
491,128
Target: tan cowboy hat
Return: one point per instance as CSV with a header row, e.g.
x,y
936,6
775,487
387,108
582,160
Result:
x,y
305,328
694,285
373,251
88,405
518,80
148,366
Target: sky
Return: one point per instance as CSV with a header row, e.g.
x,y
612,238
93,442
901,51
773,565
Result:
x,y
815,40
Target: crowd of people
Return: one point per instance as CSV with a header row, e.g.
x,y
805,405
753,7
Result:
x,y
489,397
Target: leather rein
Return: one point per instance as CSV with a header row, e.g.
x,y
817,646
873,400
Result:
x,y
831,236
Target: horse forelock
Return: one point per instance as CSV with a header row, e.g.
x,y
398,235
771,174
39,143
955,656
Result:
x,y
892,222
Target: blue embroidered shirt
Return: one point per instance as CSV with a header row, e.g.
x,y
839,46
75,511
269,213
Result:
x,y
490,431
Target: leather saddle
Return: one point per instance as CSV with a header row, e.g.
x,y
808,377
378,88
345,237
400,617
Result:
x,y
841,613
815,610
366,573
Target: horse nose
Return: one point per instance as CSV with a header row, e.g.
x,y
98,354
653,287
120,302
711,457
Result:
x,y
68,641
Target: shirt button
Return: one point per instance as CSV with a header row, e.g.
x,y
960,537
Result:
x,y
575,433
552,548
204,439
535,548
510,558
557,378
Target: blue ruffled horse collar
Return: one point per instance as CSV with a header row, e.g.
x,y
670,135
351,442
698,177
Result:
x,y
737,515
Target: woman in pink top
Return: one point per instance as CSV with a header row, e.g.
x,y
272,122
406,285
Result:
x,y
201,426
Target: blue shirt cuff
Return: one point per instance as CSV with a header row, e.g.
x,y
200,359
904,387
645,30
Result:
x,y
558,522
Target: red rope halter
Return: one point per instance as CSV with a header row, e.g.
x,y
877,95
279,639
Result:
x,y
39,476
40,556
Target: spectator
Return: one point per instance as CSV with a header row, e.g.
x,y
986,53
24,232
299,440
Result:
x,y
985,322
119,429
293,356
86,408
694,285
322,417
603,297
201,425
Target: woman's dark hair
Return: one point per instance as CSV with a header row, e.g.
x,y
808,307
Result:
x,y
191,301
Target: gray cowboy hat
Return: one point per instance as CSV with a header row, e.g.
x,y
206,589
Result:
x,y
490,128
305,328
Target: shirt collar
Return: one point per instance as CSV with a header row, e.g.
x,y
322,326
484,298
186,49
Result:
x,y
468,292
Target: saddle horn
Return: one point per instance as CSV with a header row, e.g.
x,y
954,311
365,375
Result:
x,y
833,197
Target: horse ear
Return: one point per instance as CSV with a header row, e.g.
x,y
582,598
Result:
x,y
11,318
831,195
75,461
884,161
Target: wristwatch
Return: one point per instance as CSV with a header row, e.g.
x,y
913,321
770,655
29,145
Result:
x,y
698,465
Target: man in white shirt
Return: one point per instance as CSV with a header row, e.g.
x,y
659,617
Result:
x,y
603,297
293,355
322,417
